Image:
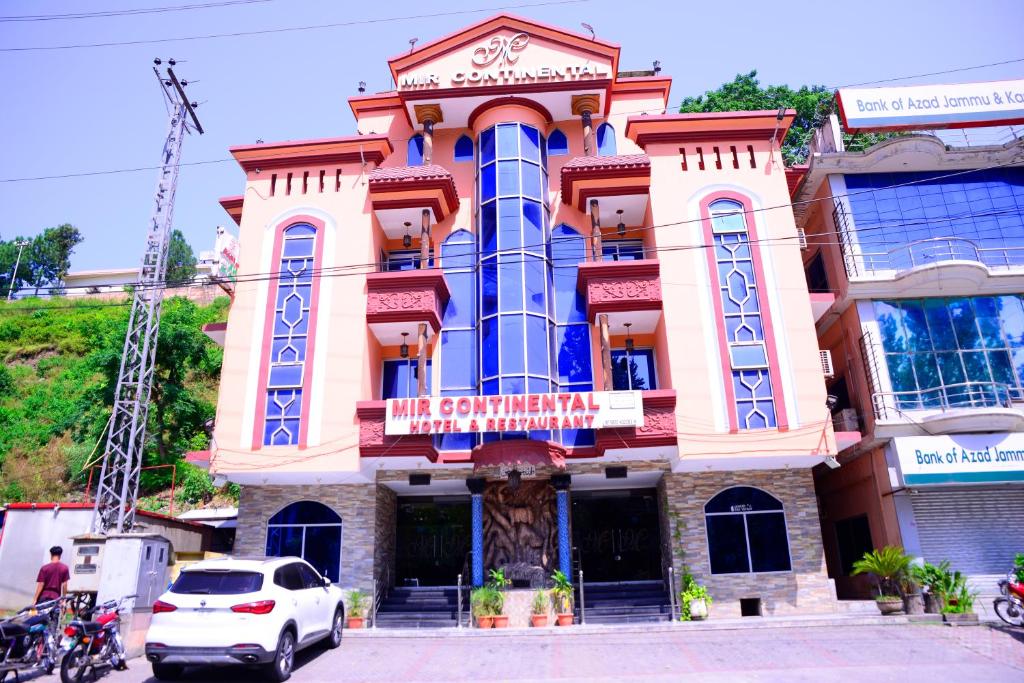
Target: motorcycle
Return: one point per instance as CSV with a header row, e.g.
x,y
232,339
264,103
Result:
x,y
1010,605
28,640
90,644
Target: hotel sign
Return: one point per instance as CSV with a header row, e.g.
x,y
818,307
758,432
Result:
x,y
960,105
513,413
960,458
496,63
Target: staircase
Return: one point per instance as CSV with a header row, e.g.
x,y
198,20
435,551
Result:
x,y
420,607
626,602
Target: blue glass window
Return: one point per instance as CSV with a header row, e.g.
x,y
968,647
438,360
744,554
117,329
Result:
x,y
605,140
633,370
309,530
557,143
746,532
464,148
403,259
953,351
415,154
400,378
290,333
459,372
744,330
622,250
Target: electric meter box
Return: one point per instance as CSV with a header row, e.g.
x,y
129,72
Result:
x,y
86,559
134,564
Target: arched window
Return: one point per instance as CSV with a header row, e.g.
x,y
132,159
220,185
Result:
x,y
309,530
742,318
746,532
415,157
605,140
290,336
464,149
557,143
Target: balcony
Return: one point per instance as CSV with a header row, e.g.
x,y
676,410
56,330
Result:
x,y
658,433
621,184
397,302
373,443
399,195
627,291
948,409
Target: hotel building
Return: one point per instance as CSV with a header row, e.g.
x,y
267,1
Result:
x,y
525,319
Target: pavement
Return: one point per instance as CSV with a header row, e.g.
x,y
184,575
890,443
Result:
x,y
904,652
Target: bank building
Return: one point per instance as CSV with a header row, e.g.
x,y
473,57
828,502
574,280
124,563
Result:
x,y
524,319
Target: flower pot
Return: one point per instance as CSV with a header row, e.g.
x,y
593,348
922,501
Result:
x,y
913,603
698,609
538,620
890,606
961,619
355,622
932,603
501,621
564,619
485,622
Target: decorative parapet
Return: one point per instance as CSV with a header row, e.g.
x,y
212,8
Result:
x,y
620,286
659,428
410,296
374,443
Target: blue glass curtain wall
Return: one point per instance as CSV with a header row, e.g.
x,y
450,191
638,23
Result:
x,y
459,334
954,351
570,343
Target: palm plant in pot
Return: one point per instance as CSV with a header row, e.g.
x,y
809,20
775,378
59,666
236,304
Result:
x,y
499,583
485,602
357,603
561,592
888,566
539,609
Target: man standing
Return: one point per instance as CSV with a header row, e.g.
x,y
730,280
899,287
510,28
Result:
x,y
53,578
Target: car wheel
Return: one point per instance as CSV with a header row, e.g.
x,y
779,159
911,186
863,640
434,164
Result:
x,y
333,639
167,672
281,668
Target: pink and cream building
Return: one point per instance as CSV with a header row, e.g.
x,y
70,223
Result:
x,y
523,318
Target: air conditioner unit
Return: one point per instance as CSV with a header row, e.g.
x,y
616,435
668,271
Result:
x,y
801,237
846,420
826,363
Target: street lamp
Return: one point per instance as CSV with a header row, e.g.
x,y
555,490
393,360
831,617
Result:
x,y
21,244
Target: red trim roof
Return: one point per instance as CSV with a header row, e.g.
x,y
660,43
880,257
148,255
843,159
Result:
x,y
89,506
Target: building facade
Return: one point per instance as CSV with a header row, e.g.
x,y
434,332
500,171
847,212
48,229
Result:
x,y
915,263
524,319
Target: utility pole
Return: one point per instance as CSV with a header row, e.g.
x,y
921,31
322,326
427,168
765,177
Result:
x,y
118,488
21,244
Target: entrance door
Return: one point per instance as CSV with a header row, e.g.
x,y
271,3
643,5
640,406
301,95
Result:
x,y
432,539
617,534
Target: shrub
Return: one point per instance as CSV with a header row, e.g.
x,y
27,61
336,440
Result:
x,y
888,566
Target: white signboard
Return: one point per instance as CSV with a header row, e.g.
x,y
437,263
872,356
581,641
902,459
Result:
x,y
514,413
961,458
959,105
227,258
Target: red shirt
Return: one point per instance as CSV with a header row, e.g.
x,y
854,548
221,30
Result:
x,y
52,575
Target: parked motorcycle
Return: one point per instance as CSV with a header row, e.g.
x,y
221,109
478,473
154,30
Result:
x,y
92,644
1010,605
28,640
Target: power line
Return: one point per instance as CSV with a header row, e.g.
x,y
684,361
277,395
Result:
x,y
289,29
125,12
934,73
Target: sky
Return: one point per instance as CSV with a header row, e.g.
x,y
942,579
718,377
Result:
x,y
95,109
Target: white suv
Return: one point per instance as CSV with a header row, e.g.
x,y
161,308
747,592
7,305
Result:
x,y
255,611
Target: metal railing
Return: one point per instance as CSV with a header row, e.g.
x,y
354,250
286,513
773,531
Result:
x,y
583,607
458,601
891,404
380,591
674,607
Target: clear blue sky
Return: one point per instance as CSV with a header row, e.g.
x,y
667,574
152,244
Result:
x,y
70,111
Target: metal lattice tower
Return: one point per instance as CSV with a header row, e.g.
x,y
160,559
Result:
x,y
118,488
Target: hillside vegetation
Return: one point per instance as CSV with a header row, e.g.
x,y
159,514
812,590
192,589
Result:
x,y
60,364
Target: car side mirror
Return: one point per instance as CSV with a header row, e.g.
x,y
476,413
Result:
x,y
327,582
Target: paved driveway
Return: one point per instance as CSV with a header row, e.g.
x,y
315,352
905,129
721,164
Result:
x,y
931,653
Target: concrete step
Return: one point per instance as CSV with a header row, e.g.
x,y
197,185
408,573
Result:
x,y
626,602
627,618
864,607
416,623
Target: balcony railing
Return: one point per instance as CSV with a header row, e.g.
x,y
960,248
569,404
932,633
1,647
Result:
x,y
867,261
891,405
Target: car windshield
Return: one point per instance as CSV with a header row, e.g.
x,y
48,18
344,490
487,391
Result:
x,y
217,582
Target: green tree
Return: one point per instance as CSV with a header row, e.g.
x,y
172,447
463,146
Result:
x,y
181,260
8,259
50,255
813,104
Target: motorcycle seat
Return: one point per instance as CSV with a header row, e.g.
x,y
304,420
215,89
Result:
x,y
10,629
92,626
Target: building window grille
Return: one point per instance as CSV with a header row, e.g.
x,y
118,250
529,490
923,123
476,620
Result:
x,y
633,370
309,530
747,533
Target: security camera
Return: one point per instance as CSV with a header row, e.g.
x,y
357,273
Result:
x,y
832,463
831,401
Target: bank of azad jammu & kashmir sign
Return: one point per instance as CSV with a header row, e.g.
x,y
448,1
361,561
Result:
x,y
496,62
513,413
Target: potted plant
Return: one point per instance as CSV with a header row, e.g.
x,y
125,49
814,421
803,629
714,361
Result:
x,y
694,599
913,599
959,607
356,605
499,582
482,602
561,592
931,578
888,566
539,610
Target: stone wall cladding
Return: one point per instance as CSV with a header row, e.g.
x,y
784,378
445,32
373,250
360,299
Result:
x,y
805,589
355,503
385,529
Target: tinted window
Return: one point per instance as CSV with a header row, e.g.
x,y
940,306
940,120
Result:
x,y
289,577
217,583
310,579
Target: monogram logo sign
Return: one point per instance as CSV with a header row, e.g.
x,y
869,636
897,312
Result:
x,y
500,49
